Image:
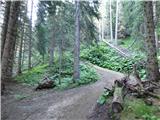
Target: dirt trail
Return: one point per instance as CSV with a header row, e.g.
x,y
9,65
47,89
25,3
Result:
x,y
72,104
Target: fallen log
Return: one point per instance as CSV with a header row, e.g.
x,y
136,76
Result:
x,y
46,83
117,102
117,49
123,86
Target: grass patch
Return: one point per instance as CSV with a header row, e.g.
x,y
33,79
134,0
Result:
x,y
137,109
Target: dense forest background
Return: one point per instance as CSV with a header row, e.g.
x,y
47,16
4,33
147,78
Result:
x,y
59,41
52,37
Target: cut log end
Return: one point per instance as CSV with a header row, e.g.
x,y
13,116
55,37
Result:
x,y
117,107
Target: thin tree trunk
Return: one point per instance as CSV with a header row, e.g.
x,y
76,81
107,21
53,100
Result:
x,y
51,50
43,58
13,56
30,39
8,53
152,62
51,57
116,29
100,37
76,74
5,25
60,61
111,30
102,28
24,37
155,19
23,53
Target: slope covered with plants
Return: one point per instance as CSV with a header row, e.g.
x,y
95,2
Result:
x,y
106,57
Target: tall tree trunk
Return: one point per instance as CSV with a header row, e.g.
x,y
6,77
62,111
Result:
x,y
8,53
76,74
20,51
100,37
60,60
23,51
30,39
51,49
51,57
111,30
5,25
116,29
102,23
152,62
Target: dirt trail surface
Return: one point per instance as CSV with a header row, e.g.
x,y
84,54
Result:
x,y
72,104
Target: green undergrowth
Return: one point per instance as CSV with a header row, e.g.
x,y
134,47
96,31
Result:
x,y
133,108
104,97
106,57
137,47
36,74
138,110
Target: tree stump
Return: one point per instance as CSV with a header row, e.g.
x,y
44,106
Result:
x,y
46,83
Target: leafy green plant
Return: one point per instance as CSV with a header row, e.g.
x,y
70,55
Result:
x,y
150,117
88,75
104,97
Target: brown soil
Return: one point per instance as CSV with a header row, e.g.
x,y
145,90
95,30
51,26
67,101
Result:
x,y
72,104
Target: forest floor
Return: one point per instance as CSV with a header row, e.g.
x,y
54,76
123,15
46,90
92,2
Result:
x,y
21,102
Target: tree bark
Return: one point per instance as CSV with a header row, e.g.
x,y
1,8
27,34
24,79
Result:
x,y
76,74
5,26
30,39
8,53
152,62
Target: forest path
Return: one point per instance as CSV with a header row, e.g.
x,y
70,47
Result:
x,y
72,104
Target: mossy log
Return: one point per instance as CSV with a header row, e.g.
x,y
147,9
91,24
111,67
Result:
x,y
117,102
